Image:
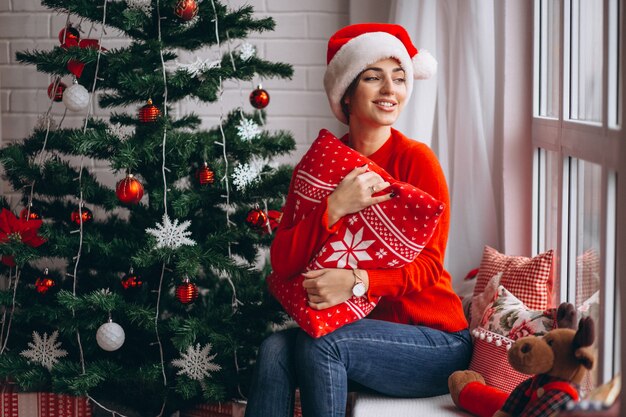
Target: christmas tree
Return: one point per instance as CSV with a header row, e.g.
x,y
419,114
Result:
x,y
146,292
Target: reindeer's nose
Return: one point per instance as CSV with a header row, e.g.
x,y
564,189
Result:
x,y
526,347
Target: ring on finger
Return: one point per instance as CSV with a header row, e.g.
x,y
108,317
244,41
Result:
x,y
373,189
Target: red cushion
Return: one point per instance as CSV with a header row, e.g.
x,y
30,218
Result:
x,y
386,235
529,279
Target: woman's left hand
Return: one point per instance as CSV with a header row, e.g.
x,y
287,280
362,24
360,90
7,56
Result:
x,y
328,287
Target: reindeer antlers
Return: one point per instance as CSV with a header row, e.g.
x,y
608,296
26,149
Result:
x,y
585,334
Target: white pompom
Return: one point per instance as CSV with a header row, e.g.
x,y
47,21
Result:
x,y
498,342
476,333
424,65
110,336
76,97
482,336
489,339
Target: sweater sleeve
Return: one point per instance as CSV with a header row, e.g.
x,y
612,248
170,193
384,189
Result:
x,y
421,169
298,238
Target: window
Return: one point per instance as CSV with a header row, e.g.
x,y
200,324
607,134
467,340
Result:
x,y
576,130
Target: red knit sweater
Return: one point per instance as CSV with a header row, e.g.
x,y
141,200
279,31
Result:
x,y
418,293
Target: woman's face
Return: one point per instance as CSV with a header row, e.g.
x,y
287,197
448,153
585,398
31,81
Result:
x,y
379,95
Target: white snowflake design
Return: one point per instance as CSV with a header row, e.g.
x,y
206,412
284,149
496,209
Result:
x,y
171,234
145,6
393,264
196,362
352,220
246,51
44,350
248,129
244,175
381,253
196,68
351,250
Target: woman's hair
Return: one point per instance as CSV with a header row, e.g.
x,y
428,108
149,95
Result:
x,y
345,107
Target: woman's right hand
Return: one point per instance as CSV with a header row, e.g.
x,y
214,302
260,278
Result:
x,y
355,192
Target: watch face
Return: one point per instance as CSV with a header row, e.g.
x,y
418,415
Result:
x,y
358,290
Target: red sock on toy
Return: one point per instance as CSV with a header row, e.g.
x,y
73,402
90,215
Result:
x,y
481,400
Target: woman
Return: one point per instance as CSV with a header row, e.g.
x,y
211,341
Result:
x,y
417,335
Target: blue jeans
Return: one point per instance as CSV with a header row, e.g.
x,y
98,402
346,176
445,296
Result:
x,y
393,359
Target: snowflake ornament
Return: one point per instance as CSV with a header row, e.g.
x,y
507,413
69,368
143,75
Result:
x,y
246,51
170,234
248,129
196,362
44,350
244,175
144,6
195,69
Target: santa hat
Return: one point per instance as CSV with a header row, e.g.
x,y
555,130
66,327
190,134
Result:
x,y
353,48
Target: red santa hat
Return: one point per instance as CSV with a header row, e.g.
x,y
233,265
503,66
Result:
x,y
353,48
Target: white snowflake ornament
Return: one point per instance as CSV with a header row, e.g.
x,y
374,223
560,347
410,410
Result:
x,y
244,175
44,350
196,362
144,6
170,234
248,130
246,51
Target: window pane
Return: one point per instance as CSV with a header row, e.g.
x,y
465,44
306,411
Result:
x,y
614,89
587,200
549,57
586,55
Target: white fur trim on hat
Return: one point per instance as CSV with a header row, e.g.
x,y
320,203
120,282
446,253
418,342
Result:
x,y
353,57
424,65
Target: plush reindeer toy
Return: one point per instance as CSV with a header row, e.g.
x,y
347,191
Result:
x,y
559,361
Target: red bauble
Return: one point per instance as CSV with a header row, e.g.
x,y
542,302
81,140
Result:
x,y
186,9
58,96
129,190
149,113
44,283
87,216
256,219
187,292
259,98
204,175
31,214
131,280
69,36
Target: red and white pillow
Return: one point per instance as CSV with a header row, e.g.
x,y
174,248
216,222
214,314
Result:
x,y
386,235
504,321
529,279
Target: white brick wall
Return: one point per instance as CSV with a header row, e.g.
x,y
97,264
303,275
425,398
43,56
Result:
x,y
299,105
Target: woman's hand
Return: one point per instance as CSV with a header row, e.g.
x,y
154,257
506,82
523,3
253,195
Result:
x,y
329,287
355,192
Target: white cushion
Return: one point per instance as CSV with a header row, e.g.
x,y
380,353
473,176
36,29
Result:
x,y
367,405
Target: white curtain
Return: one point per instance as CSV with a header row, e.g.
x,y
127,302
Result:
x,y
455,114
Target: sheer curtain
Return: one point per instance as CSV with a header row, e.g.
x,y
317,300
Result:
x,y
455,114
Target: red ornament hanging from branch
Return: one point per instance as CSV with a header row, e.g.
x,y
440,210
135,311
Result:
x,y
58,95
259,98
44,283
87,216
131,280
29,213
186,9
129,190
256,219
205,175
187,292
149,113
69,36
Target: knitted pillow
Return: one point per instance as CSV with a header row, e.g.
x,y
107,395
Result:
x,y
386,235
505,320
529,279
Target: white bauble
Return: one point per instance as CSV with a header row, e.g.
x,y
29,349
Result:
x,y
110,336
76,97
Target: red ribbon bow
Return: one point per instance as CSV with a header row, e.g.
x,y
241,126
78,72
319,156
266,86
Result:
x,y
12,227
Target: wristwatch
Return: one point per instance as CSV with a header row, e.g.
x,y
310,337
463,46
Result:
x,y
358,290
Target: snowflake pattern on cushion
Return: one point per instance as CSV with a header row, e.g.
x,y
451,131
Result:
x,y
386,235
